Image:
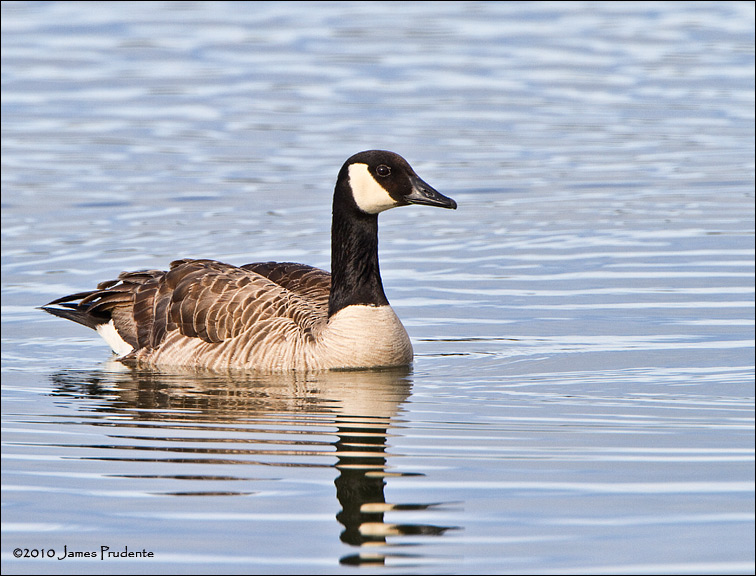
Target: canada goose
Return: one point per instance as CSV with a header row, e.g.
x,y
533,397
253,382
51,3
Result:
x,y
269,316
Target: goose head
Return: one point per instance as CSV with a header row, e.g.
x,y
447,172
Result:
x,y
377,180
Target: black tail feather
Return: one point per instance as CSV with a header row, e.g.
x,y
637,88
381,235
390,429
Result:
x,y
77,314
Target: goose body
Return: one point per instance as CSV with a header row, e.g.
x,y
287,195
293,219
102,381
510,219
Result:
x,y
269,316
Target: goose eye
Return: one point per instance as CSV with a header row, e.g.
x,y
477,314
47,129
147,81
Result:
x,y
383,170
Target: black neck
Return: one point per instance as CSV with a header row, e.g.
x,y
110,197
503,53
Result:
x,y
355,275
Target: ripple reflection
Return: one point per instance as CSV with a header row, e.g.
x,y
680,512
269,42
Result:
x,y
238,419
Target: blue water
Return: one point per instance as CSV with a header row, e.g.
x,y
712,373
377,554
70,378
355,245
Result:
x,y
582,397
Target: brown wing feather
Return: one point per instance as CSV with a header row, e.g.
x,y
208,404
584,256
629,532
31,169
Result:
x,y
207,299
308,282
215,301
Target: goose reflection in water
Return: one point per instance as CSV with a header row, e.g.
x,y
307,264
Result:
x,y
362,405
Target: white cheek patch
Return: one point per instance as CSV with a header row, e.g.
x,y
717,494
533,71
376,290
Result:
x,y
370,196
